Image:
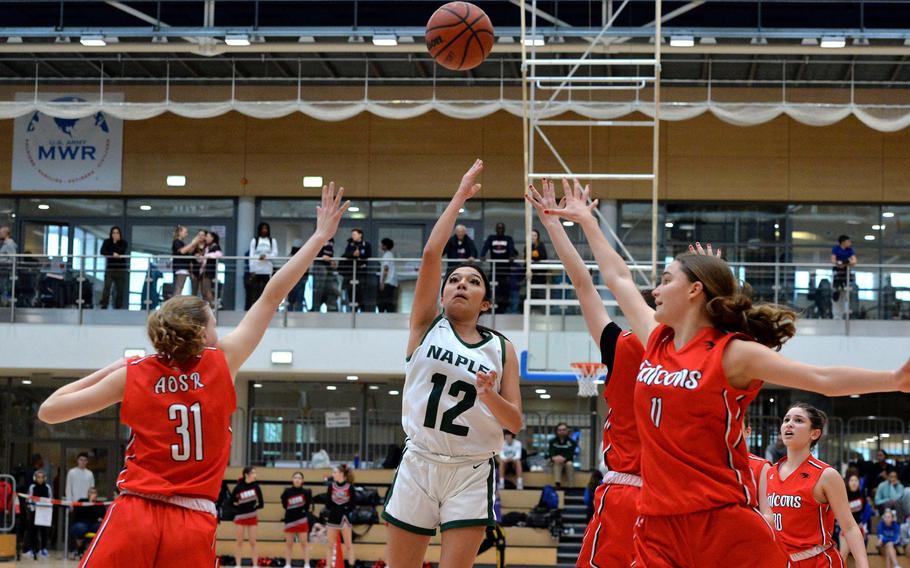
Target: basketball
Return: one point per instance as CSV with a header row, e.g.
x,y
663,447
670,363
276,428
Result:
x,y
459,36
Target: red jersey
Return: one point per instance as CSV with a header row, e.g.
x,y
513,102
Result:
x,y
801,522
622,353
756,464
693,455
180,421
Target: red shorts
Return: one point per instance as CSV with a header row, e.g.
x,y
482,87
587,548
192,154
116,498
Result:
x,y
142,533
730,536
301,526
250,521
828,559
608,538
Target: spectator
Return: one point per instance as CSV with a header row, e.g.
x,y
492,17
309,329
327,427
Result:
x,y
388,278
823,296
562,455
876,472
79,479
263,248
510,460
7,250
844,259
888,495
247,500
86,519
198,254
150,297
501,248
905,534
182,262
888,538
39,530
356,253
116,271
538,277
325,286
297,295
859,508
208,266
460,246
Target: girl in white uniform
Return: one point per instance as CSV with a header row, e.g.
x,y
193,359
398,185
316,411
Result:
x,y
461,391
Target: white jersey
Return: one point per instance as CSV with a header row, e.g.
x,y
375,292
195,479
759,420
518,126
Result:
x,y
440,411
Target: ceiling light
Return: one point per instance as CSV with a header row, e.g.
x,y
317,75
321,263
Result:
x,y
869,237
876,227
26,381
331,387
62,39
159,39
352,377
860,41
540,391
884,435
14,39
176,181
394,393
777,225
907,441
44,206
406,39
374,387
833,42
534,41
809,41
134,352
506,39
92,41
707,41
306,39
280,357
545,397
771,400
682,41
888,214
668,224
385,40
312,181
568,223
353,209
352,408
257,385
758,41
854,396
145,207
239,40
461,210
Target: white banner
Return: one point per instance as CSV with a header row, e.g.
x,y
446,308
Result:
x,y
67,154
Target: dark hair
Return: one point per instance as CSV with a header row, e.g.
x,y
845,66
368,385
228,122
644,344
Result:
x,y
388,243
817,419
82,455
215,238
111,232
357,230
487,289
296,473
648,296
842,238
246,471
508,432
729,304
268,230
348,474
562,424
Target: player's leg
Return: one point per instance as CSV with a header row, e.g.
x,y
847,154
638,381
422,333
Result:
x,y
305,546
288,548
407,549
737,536
411,512
252,537
503,467
348,541
238,552
519,482
459,546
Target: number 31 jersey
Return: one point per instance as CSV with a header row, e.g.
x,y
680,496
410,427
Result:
x,y
179,417
441,413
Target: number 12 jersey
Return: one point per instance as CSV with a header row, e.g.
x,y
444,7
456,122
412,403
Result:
x,y
440,410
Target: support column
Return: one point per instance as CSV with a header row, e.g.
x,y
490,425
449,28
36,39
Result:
x,y
246,227
609,208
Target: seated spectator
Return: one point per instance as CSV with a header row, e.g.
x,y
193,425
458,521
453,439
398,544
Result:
x,y
510,460
562,455
888,539
86,519
7,250
263,248
888,495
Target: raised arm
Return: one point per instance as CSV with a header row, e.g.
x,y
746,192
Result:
x,y
240,343
426,292
613,269
86,396
745,361
592,306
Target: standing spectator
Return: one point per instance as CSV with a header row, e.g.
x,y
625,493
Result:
x,y
182,262
79,479
844,259
356,253
888,495
263,248
562,455
297,502
325,285
86,519
198,254
501,248
858,508
297,295
460,247
888,538
116,271
876,472
247,500
208,267
822,299
510,459
40,530
7,250
388,278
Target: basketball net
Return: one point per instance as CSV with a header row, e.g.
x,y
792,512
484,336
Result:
x,y
587,375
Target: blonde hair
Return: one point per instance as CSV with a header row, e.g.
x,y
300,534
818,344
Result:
x,y
177,330
177,231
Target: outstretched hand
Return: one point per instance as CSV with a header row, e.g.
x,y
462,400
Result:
x,y
468,188
574,205
547,201
707,250
330,211
485,383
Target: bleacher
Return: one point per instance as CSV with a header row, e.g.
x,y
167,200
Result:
x,y
525,546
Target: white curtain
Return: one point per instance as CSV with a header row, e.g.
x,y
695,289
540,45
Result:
x,y
884,118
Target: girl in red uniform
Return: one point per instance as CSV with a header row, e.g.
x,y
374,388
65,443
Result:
x,y
178,404
608,539
806,494
760,467
707,349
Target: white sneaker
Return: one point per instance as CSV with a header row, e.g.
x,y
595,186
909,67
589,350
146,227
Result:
x,y
502,484
520,484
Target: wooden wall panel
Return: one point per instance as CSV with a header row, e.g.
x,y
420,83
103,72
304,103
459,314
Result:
x,y
6,156
724,178
206,174
835,179
706,136
282,174
896,179
848,138
169,133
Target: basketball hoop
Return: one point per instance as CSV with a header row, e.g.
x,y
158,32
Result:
x,y
587,374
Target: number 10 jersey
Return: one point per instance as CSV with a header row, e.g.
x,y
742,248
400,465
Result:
x,y
441,413
180,425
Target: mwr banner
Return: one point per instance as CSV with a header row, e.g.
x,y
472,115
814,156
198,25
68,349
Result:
x,y
67,154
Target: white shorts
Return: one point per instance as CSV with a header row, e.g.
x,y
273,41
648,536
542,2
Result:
x,y
426,494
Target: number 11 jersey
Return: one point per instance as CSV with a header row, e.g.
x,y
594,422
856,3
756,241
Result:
x,y
179,417
440,410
